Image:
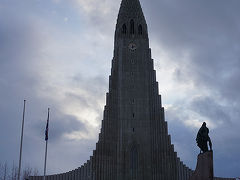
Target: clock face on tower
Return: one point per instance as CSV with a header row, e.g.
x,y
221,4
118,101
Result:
x,y
132,46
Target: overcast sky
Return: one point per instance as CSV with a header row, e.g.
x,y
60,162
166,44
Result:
x,y
57,54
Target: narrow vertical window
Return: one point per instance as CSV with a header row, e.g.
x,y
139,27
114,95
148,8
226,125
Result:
x,y
124,29
134,162
140,29
132,61
131,27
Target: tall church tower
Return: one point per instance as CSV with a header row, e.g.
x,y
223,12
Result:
x,y
133,143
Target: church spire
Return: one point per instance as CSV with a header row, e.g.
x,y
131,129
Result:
x,y
131,21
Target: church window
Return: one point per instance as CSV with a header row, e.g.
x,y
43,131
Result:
x,y
131,26
124,29
133,115
134,162
140,30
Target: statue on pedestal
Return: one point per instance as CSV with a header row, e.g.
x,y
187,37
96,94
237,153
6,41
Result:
x,y
203,138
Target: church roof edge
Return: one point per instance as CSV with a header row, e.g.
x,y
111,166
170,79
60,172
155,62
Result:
x,y
130,9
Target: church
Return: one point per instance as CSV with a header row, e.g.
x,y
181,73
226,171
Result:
x,y
134,143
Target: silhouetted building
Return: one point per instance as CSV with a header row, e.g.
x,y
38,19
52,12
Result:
x,y
133,143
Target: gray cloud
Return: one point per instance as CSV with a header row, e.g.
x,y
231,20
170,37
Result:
x,y
212,110
182,136
21,76
202,39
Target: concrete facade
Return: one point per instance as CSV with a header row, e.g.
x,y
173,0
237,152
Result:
x,y
133,143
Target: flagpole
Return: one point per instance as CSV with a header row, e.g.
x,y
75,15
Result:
x,y
45,163
46,139
20,156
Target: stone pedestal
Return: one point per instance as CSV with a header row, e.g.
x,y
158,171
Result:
x,y
204,169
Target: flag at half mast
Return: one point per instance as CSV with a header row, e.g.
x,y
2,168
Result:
x,y
46,131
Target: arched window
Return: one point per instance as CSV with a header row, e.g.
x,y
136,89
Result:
x,y
124,29
131,26
140,29
134,162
